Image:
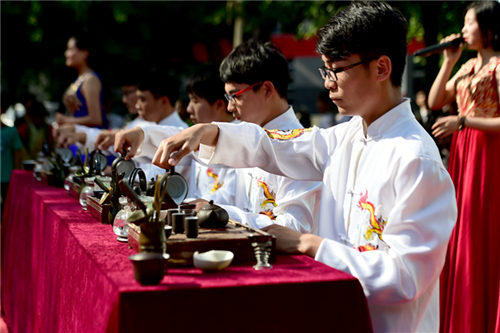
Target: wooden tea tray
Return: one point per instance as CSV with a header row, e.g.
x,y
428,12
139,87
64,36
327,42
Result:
x,y
236,238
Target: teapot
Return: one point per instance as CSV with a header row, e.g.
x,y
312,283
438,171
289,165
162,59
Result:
x,y
212,216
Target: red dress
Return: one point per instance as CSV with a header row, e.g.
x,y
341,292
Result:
x,y
470,280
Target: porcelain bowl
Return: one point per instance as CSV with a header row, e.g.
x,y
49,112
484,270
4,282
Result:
x,y
213,260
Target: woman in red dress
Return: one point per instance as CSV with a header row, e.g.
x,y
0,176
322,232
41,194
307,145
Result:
x,y
470,280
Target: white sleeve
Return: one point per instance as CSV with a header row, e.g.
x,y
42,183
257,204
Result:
x,y
193,193
299,154
254,220
153,136
91,135
297,205
415,238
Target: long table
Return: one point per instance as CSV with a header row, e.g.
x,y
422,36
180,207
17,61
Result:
x,y
63,271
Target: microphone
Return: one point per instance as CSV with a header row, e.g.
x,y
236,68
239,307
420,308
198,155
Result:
x,y
425,52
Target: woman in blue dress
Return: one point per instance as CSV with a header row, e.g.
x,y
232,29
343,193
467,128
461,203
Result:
x,y
83,98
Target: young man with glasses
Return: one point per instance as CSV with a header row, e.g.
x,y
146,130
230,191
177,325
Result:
x,y
387,205
256,80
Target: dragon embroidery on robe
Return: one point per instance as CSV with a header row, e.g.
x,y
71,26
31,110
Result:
x,y
270,200
376,226
210,173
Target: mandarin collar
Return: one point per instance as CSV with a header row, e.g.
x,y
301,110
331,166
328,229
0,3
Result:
x,y
284,120
391,119
172,119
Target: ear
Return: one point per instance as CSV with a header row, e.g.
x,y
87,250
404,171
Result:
x,y
269,88
165,100
384,68
220,106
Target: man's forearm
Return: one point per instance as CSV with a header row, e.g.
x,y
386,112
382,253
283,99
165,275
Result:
x,y
210,134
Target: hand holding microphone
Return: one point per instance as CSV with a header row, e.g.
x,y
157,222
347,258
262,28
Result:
x,y
450,45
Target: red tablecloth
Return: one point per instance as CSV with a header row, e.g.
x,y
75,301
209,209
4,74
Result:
x,y
62,271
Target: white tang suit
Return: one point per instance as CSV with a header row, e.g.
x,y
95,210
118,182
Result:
x,y
387,205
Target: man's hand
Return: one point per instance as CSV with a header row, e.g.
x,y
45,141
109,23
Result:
x,y
67,139
128,141
105,139
445,126
62,129
62,119
173,149
291,241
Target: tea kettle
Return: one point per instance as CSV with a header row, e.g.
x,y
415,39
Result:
x,y
212,216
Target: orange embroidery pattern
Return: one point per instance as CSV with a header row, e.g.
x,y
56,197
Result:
x,y
269,213
369,247
286,134
376,225
270,200
210,173
268,194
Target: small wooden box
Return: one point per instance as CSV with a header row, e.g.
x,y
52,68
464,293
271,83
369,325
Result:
x,y
236,238
98,210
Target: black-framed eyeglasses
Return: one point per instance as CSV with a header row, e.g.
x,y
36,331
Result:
x,y
331,73
232,97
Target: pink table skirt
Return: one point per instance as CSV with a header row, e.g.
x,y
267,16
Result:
x,y
62,271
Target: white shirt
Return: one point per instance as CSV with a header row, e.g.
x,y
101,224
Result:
x,y
91,133
142,161
212,182
168,126
215,183
154,134
387,180
263,198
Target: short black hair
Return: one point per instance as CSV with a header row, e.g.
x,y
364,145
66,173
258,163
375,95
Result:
x,y
488,18
255,61
206,83
128,74
369,29
160,85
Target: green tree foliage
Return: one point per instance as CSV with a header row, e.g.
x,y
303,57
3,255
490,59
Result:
x,y
162,34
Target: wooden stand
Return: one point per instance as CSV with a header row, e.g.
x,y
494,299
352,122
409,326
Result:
x,y
236,238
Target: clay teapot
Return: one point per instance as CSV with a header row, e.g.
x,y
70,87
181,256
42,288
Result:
x,y
212,216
